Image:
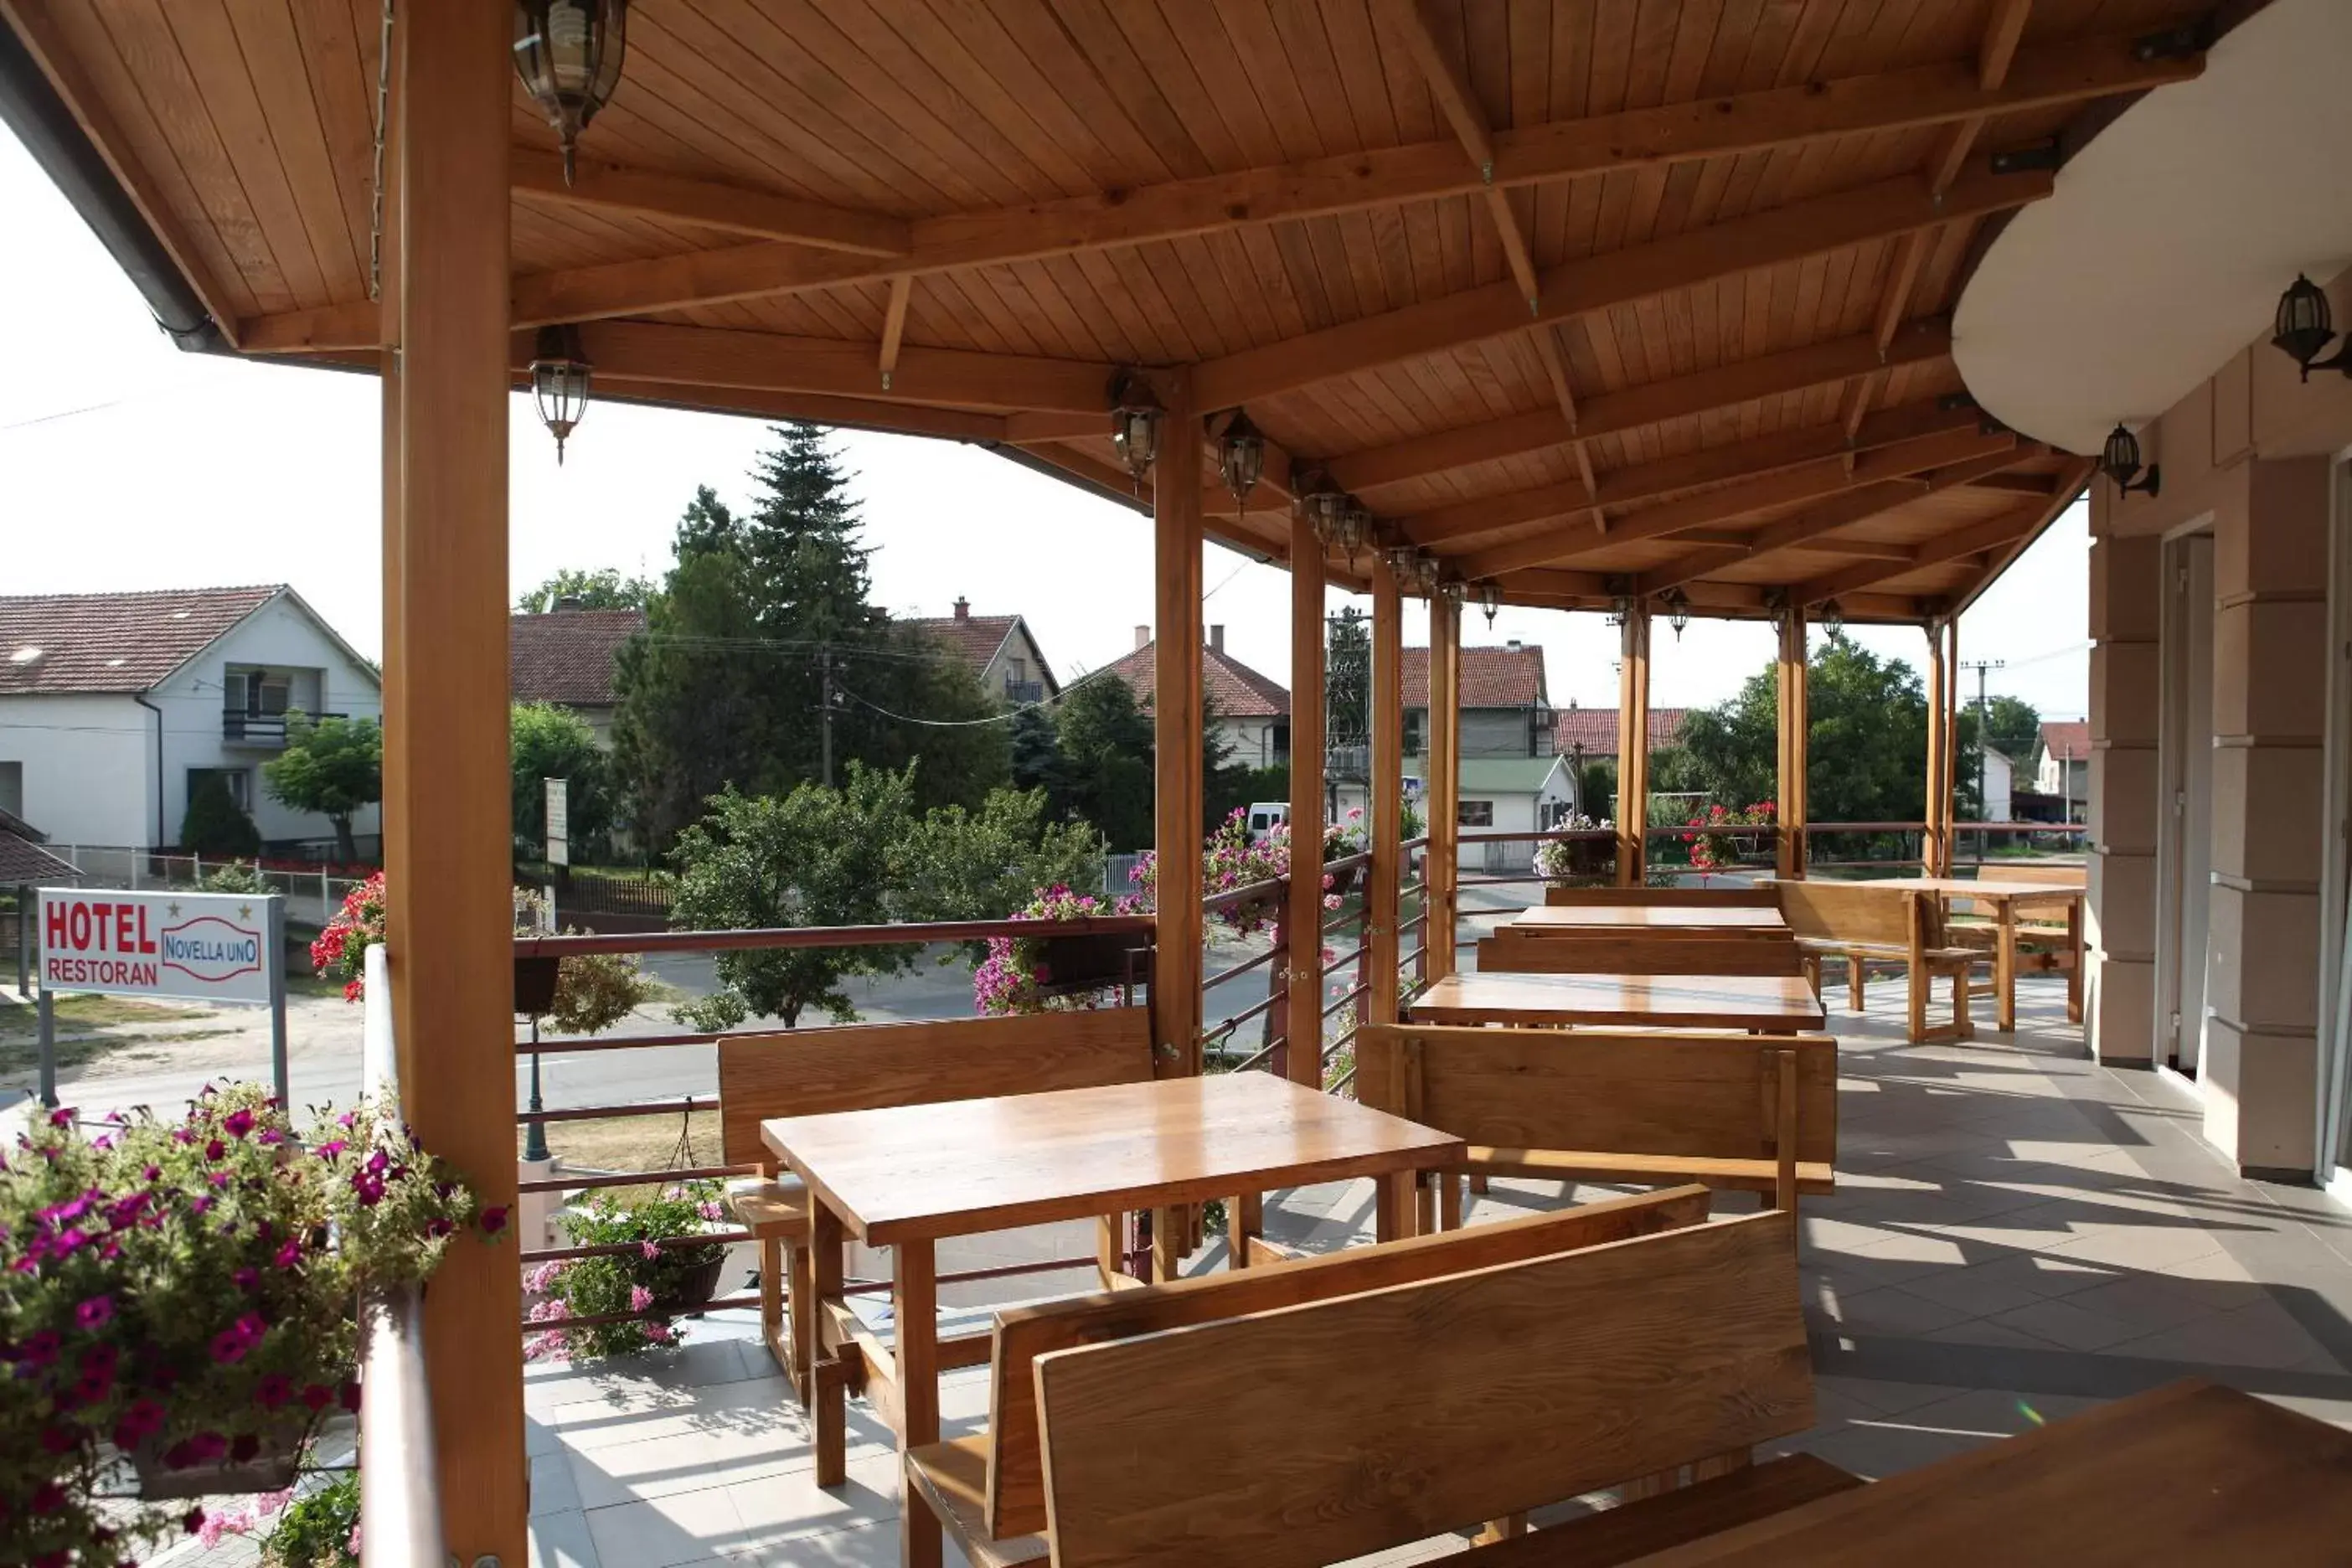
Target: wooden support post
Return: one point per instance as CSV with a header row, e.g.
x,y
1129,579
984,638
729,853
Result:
x,y
1633,748
1383,895
915,1304
1931,857
1305,954
1789,857
1442,790
1951,742
1176,733
448,805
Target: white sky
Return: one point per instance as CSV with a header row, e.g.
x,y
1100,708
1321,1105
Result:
x,y
126,464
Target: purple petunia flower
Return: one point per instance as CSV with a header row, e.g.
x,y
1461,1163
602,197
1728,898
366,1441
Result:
x,y
238,1123
274,1390
98,1310
215,1150
63,1116
494,1220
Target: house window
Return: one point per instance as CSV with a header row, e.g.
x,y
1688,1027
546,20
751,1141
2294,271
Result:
x,y
256,691
1017,670
11,788
238,780
1475,814
1414,720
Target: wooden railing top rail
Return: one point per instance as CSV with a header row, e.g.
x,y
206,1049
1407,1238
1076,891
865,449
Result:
x,y
824,936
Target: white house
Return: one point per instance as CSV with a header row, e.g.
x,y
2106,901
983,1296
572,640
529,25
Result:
x,y
1251,710
1000,649
2062,765
112,704
1504,794
2000,780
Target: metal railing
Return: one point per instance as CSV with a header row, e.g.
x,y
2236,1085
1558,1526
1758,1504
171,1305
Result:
x,y
261,729
399,1490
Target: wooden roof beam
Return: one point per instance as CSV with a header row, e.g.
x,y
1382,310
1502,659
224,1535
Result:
x,y
1651,403
1712,465
1954,546
711,357
641,193
1745,123
2063,493
1792,232
1826,478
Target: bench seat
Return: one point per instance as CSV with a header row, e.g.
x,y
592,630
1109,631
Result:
x,y
952,1477
1635,1529
1813,1176
771,1207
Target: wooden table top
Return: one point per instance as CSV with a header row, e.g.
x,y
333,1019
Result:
x,y
2189,1470
1679,1001
1651,919
971,1166
1990,888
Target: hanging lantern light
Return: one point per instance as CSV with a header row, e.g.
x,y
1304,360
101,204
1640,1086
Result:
x,y
1833,620
1677,611
1621,610
559,382
1135,425
2303,326
1241,458
1353,529
2120,462
1454,588
1426,573
569,53
1490,599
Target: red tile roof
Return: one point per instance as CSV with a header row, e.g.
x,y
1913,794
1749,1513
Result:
x,y
978,638
22,859
566,656
2068,738
1596,729
1491,677
52,643
1234,689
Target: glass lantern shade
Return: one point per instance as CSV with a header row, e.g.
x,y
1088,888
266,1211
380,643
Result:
x,y
569,55
1240,456
1678,612
1135,425
2119,460
559,382
1832,620
2303,325
1490,600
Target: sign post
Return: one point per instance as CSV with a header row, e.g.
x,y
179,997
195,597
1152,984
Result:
x,y
558,821
193,947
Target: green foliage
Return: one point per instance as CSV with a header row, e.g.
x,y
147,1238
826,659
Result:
x,y
1224,782
215,823
1348,677
651,1277
331,766
1036,756
237,877
316,1530
984,864
1268,784
764,614
812,858
1108,746
1597,788
602,589
2013,728
547,741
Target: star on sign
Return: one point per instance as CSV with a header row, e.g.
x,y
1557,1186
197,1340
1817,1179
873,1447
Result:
x,y
245,911
171,911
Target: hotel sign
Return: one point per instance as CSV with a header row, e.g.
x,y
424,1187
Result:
x,y
200,947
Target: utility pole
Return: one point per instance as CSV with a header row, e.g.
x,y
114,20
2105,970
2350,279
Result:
x,y
1984,718
824,709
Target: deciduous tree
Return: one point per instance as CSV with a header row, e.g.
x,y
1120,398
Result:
x,y
334,766
601,588
549,741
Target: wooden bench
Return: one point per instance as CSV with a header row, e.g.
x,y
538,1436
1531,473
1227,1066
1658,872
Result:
x,y
1860,924
1647,1106
2044,946
1566,951
1734,897
1324,1431
989,1490
810,1072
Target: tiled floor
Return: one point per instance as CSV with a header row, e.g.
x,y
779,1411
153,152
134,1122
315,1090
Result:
x,y
2017,1236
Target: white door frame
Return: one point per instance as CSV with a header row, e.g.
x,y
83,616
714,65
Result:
x,y
2335,1108
2179,1036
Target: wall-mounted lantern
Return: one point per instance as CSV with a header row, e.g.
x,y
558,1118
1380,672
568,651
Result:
x,y
2303,326
2119,460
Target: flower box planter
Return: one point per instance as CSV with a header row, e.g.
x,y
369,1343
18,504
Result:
x,y
272,1469
1094,961
534,984
1343,881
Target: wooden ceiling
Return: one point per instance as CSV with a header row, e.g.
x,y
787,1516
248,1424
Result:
x,y
1586,297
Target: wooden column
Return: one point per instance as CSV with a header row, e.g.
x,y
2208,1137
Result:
x,y
1176,732
1305,958
1931,856
1441,791
1788,858
1633,748
1384,887
446,807
1950,837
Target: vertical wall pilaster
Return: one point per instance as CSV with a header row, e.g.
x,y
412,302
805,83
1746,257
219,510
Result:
x,y
2127,604
2260,1071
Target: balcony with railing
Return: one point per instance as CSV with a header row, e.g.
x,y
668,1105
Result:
x,y
240,728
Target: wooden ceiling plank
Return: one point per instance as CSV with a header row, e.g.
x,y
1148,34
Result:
x,y
854,413
1651,403
1990,535
2068,72
740,209
2062,494
1761,241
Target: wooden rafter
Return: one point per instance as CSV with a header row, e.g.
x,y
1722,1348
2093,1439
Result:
x,y
1995,53
1652,403
706,357
614,188
1955,545
894,327
2071,73
2063,493
1792,232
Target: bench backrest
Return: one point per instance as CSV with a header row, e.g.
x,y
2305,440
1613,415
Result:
x,y
2046,874
1620,953
1684,1093
1016,1476
1858,912
1321,1432
1733,897
869,1066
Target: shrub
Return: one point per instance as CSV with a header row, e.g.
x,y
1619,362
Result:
x,y
215,823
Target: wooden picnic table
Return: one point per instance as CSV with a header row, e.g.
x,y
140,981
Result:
x,y
2002,900
1648,919
907,1176
1766,1003
2192,1470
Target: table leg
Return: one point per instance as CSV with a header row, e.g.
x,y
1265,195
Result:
x,y
828,1395
1110,1233
1244,1223
915,1297
1392,1205
2004,970
2074,973
1167,1228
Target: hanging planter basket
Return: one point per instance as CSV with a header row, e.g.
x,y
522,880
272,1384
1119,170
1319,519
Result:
x,y
696,1286
270,1470
534,984
1343,881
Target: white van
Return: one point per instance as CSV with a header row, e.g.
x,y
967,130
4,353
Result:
x,y
1264,815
